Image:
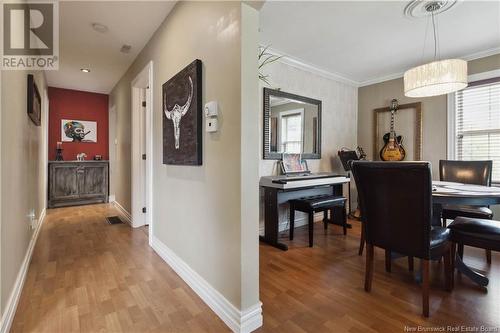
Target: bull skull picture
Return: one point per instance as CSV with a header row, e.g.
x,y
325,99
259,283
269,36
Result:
x,y
182,116
177,113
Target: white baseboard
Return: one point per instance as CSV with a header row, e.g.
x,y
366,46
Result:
x,y
123,211
299,222
238,321
11,306
111,198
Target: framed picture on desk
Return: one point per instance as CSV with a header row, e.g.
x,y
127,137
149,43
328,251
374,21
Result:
x,y
293,164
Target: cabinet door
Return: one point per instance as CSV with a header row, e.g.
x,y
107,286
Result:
x,y
92,181
64,182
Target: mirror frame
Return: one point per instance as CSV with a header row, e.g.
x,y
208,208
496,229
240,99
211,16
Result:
x,y
267,153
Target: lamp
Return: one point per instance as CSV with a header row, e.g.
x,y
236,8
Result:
x,y
438,77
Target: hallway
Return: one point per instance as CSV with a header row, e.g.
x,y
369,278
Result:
x,y
89,276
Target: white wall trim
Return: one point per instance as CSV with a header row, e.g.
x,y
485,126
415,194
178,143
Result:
x,y
142,181
299,222
124,212
482,54
111,198
238,321
473,56
301,64
484,75
451,124
11,306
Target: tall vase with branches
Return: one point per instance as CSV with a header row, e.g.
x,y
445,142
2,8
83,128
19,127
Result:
x,y
266,58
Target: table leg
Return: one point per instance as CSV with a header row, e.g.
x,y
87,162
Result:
x,y
271,220
476,277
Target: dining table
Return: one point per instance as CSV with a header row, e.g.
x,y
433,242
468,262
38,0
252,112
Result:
x,y
450,193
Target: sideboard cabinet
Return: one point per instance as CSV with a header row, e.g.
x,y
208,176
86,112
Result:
x,y
73,183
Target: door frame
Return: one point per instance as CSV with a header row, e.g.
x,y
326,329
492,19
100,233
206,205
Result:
x,y
142,81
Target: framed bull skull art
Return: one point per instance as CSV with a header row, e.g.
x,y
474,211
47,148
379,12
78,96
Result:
x,y
182,117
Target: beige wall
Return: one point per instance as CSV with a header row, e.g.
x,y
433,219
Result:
x,y
434,110
197,209
23,161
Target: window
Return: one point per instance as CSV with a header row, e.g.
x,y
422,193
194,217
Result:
x,y
291,132
477,123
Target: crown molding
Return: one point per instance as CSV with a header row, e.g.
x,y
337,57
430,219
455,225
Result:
x,y
469,57
301,64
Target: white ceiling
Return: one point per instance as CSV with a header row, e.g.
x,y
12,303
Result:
x,y
368,41
129,22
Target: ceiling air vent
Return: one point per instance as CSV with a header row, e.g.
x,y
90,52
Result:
x,y
125,48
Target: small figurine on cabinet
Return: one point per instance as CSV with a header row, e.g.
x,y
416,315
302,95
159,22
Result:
x,y
81,157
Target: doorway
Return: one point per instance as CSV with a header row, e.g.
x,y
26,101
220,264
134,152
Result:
x,y
141,159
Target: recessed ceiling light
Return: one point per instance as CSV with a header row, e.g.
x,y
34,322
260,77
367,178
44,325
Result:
x,y
100,27
85,70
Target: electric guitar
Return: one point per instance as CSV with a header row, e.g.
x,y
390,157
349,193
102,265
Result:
x,y
393,149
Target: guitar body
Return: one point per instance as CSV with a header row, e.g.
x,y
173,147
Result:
x,y
393,149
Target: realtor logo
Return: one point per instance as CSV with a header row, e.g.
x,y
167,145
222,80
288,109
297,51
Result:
x,y
30,36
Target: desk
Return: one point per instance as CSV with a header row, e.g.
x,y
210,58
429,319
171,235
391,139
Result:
x,y
280,189
448,193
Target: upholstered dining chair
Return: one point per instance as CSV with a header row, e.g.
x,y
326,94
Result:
x,y
396,208
467,172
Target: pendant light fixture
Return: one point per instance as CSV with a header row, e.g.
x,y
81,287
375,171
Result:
x,y
438,77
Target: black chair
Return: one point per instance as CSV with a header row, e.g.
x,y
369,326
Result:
x,y
467,172
483,234
313,204
396,208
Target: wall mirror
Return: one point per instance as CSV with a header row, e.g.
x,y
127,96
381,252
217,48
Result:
x,y
292,124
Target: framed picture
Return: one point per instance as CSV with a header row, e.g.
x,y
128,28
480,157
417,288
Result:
x,y
78,131
182,117
407,124
293,163
34,102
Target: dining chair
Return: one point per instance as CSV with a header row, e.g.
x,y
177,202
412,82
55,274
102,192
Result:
x,y
466,172
396,207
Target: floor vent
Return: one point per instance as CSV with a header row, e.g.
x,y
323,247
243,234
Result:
x,y
114,220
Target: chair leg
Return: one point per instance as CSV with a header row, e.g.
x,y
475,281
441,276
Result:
x,y
369,267
325,219
410,263
453,255
448,269
362,240
311,228
344,218
425,287
444,223
388,261
488,256
292,221
460,250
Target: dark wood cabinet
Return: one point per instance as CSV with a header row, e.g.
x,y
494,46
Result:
x,y
74,183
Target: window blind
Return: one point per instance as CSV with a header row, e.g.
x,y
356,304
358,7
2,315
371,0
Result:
x,y
477,126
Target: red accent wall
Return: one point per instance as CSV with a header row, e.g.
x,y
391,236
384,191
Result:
x,y
78,105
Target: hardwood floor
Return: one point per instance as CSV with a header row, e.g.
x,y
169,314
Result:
x,y
321,289
89,276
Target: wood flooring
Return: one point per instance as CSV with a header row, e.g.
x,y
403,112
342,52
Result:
x,y
89,276
321,289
